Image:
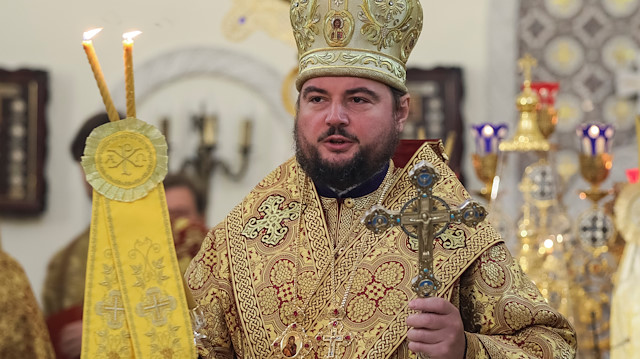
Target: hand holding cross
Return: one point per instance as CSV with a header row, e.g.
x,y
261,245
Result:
x,y
421,213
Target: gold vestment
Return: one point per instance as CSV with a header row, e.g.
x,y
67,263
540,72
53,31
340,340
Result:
x,y
24,333
282,233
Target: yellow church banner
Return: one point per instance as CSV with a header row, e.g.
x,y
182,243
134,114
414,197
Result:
x,y
135,305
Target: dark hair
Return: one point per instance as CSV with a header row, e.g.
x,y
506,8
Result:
x,y
79,141
397,96
182,180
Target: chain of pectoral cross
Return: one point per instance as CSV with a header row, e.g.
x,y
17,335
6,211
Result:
x,y
421,212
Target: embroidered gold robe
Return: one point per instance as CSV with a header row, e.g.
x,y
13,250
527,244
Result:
x,y
24,333
244,277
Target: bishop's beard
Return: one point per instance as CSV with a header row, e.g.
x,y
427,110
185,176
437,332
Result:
x,y
363,165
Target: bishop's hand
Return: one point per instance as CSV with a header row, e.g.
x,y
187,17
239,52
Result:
x,y
436,329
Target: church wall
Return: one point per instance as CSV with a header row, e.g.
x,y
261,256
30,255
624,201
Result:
x,y
46,35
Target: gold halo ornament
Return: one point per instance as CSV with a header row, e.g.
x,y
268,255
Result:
x,y
627,210
124,160
289,92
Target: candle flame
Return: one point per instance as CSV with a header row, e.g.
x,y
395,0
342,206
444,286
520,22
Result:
x,y
487,131
88,35
128,36
548,243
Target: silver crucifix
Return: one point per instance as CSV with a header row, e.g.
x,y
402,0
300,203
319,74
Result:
x,y
424,212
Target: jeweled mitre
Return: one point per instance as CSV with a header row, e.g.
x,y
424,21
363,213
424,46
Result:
x,y
361,38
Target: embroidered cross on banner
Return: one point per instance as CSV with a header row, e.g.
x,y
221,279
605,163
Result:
x,y
114,310
424,212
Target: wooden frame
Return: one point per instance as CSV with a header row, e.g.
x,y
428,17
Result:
x,y
23,98
436,110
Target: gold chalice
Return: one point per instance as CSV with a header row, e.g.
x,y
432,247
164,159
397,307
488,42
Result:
x,y
595,158
485,167
547,114
485,160
595,169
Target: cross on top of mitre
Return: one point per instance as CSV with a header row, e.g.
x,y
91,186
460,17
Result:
x,y
424,212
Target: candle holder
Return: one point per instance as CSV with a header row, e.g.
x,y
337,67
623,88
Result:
x,y
595,158
528,136
547,114
485,161
202,166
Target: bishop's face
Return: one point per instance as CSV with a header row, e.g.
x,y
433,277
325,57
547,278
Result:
x,y
346,129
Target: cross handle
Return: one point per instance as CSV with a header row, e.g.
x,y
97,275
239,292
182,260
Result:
x,y
425,284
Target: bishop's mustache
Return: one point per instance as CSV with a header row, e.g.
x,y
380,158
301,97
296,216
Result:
x,y
338,131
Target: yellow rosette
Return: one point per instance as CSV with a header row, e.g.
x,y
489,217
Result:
x,y
134,304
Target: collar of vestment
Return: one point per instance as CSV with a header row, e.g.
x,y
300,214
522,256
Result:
x,y
359,190
278,235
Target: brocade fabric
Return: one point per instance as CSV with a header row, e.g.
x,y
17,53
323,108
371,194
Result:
x,y
273,253
24,332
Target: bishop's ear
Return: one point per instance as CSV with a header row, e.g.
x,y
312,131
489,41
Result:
x,y
402,112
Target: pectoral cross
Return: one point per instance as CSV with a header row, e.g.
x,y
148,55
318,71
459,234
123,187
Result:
x,y
422,213
334,335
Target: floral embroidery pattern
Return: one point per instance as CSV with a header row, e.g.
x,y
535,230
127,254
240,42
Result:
x,y
377,292
304,19
149,269
517,315
282,272
385,22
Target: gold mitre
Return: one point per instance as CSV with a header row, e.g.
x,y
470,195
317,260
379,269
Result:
x,y
360,38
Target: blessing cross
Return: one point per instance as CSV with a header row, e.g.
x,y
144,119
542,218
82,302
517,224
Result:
x,y
422,213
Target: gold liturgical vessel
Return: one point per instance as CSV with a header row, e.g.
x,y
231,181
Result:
x,y
528,136
485,160
595,230
547,116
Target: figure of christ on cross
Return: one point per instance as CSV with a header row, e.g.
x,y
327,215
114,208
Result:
x,y
420,212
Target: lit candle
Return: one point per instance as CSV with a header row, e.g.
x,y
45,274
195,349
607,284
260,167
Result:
x,y
127,45
87,44
245,136
209,124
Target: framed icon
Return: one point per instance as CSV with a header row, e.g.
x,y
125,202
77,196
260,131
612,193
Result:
x,y
436,110
23,133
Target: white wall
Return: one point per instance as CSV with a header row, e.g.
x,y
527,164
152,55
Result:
x,y
46,35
